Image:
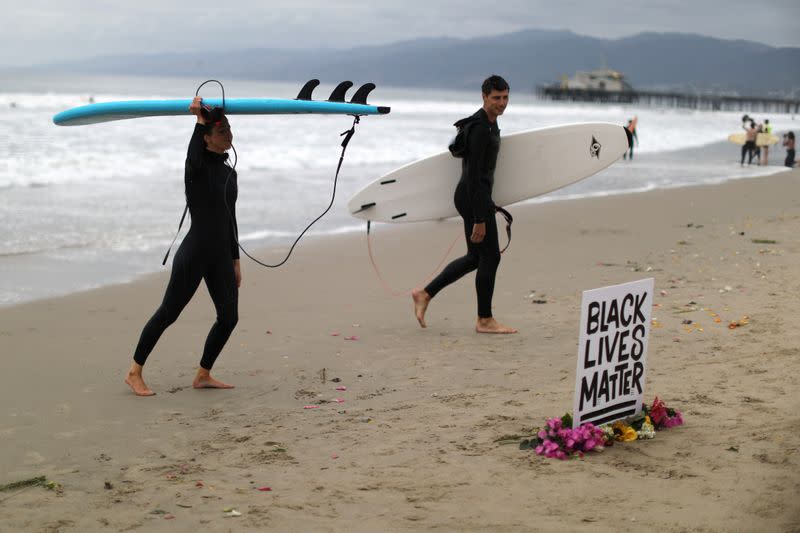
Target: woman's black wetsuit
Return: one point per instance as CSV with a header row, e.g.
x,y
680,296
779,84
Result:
x,y
473,200
206,253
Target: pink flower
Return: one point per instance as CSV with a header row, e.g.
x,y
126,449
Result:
x,y
658,413
676,420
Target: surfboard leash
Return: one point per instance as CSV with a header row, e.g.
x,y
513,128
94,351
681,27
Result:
x,y
396,294
386,288
347,136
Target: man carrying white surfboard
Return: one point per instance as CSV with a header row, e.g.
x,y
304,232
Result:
x,y
473,200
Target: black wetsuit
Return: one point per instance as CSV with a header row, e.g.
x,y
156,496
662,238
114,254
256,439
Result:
x,y
629,153
473,200
206,253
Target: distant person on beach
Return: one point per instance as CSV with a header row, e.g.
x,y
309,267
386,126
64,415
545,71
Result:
x,y
209,251
767,128
750,141
473,200
788,142
631,127
756,147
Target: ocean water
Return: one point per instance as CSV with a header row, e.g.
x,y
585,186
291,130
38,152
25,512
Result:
x,y
86,206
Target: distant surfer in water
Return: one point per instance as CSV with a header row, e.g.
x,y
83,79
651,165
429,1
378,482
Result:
x,y
631,127
473,200
208,252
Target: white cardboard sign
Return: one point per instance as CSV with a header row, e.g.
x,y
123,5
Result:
x,y
612,352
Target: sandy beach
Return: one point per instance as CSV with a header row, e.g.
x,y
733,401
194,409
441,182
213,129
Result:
x,y
413,442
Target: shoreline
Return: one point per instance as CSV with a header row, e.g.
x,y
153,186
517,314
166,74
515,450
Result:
x,y
261,250
416,435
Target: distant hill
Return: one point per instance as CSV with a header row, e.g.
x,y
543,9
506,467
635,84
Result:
x,y
527,59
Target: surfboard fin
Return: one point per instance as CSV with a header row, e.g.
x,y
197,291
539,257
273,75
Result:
x,y
308,88
361,94
338,93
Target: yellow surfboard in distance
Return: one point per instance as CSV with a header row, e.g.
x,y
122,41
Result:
x,y
763,139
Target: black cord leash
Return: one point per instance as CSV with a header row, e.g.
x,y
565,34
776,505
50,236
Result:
x,y
347,136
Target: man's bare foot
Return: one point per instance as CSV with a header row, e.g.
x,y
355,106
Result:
x,y
490,325
203,380
421,299
136,382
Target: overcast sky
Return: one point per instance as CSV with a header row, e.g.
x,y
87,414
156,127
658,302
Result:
x,y
38,31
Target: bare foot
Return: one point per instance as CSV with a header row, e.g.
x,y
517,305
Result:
x,y
490,325
136,383
203,380
421,299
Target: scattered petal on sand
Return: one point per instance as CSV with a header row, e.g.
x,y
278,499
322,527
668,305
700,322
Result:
x,y
265,489
338,400
334,456
335,334
199,484
351,338
341,387
311,407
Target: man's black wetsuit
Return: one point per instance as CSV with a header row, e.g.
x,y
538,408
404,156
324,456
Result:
x,y
207,252
473,199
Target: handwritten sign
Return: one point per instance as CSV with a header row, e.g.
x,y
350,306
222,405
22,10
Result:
x,y
612,352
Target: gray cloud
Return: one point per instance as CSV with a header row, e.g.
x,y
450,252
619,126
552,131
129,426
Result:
x,y
42,30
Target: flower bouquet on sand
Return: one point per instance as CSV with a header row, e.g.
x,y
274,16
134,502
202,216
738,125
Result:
x,y
662,416
558,440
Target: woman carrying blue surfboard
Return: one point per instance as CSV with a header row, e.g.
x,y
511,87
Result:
x,y
473,200
209,251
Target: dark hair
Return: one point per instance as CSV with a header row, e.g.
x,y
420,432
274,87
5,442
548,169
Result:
x,y
791,134
494,82
212,117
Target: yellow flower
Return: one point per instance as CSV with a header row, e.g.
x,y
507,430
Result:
x,y
624,432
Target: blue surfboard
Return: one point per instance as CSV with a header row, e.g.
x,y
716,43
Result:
x,y
335,105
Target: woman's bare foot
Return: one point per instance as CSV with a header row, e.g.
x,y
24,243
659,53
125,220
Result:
x,y
203,380
421,299
490,325
136,382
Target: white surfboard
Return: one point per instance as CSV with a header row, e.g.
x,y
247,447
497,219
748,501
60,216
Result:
x,y
530,163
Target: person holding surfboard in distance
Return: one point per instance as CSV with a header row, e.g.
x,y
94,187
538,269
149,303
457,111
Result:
x,y
749,147
767,128
209,251
473,200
